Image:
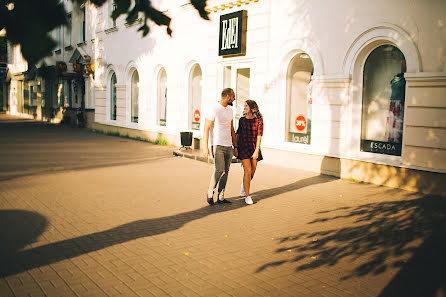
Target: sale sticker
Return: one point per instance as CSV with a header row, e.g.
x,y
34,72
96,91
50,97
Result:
x,y
301,122
197,115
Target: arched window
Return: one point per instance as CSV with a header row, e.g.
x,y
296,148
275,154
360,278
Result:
x,y
113,97
383,97
195,78
299,100
134,89
162,97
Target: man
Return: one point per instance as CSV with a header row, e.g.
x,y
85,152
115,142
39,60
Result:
x,y
220,123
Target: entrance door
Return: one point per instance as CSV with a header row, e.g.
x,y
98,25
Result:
x,y
237,77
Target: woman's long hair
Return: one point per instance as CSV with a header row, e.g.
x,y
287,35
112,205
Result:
x,y
254,109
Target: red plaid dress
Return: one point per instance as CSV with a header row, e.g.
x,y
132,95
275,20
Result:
x,y
247,132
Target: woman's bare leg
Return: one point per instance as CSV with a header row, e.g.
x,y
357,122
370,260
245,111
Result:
x,y
246,175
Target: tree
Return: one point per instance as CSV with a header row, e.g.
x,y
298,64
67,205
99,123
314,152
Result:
x,y
29,23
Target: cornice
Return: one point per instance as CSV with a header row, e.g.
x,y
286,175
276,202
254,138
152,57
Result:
x,y
228,5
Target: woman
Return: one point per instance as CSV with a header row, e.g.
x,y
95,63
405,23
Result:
x,y
249,137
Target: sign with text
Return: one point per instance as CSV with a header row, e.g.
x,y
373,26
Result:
x,y
381,147
232,35
301,123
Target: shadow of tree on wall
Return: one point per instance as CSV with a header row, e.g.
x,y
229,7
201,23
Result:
x,y
409,235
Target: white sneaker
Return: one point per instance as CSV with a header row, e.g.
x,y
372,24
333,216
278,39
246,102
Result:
x,y
242,191
248,200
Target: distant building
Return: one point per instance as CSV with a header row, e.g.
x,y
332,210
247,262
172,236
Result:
x,y
352,91
62,82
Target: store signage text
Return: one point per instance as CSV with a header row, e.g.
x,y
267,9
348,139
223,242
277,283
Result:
x,y
232,36
381,147
300,138
229,34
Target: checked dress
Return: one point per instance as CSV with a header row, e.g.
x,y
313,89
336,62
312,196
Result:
x,y
247,132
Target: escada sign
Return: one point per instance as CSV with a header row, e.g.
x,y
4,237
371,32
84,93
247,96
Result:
x,y
381,147
232,35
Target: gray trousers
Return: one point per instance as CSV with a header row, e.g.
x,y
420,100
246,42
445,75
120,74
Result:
x,y
222,159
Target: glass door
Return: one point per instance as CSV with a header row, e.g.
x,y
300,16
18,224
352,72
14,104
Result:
x,y
237,77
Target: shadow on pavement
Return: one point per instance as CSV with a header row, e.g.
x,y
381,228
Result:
x,y
385,234
30,147
14,260
19,228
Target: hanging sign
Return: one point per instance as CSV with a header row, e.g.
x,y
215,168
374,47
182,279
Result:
x,y
301,123
232,35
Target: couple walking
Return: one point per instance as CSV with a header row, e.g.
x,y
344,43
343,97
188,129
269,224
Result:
x,y
246,142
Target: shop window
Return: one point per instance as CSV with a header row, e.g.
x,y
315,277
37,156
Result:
x,y
383,97
113,97
195,79
299,99
134,96
162,97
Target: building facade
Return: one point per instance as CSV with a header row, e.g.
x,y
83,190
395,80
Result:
x,y
355,91
62,83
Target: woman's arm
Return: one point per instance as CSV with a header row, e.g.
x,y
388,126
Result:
x,y
259,139
258,142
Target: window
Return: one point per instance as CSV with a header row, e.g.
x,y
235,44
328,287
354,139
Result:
x,y
195,79
67,41
113,97
58,34
134,96
162,98
299,100
383,97
82,18
111,9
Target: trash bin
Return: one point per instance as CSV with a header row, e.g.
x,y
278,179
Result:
x,y
186,139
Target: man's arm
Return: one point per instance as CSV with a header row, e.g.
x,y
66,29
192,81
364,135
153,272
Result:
x,y
207,127
234,138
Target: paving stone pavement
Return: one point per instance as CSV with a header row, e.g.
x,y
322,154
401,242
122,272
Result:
x,y
85,214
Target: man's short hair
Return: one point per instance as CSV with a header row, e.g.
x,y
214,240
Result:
x,y
226,92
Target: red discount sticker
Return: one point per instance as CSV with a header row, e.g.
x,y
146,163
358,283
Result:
x,y
197,115
301,122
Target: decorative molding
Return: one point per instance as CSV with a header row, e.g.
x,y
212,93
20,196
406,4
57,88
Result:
x,y
380,34
111,30
229,5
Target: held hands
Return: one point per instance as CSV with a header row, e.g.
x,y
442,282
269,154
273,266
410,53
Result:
x,y
235,152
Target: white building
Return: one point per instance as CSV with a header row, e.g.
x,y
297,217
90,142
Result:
x,y
356,90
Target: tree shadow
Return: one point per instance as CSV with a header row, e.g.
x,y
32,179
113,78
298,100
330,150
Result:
x,y
378,237
16,260
31,147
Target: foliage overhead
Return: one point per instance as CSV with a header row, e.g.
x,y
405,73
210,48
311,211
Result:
x,y
30,23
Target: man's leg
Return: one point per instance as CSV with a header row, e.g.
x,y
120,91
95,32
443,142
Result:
x,y
228,153
219,169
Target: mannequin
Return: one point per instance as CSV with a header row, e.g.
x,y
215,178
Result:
x,y
395,117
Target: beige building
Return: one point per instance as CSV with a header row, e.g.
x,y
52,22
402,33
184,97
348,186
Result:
x,y
347,89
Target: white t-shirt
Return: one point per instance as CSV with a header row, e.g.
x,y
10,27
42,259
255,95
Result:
x,y
220,133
